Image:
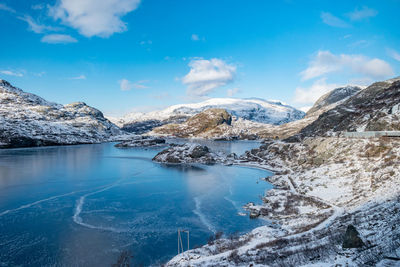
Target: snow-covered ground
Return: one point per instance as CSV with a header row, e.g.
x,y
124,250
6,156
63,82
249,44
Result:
x,y
322,185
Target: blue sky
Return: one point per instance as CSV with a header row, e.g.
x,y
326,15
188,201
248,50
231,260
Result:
x,y
130,55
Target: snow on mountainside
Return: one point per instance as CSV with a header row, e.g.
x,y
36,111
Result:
x,y
334,96
29,120
375,108
253,109
326,102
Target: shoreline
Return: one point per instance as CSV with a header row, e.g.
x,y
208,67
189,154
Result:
x,y
305,212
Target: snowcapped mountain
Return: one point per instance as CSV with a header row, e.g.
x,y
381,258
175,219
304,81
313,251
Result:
x,y
29,120
252,109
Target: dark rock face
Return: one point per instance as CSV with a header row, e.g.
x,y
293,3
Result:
x,y
22,141
199,151
375,108
141,127
352,238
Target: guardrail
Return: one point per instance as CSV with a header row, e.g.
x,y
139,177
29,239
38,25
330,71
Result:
x,y
372,134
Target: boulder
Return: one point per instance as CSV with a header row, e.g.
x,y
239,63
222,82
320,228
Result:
x,y
352,238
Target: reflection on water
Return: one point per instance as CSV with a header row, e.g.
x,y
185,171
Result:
x,y
84,205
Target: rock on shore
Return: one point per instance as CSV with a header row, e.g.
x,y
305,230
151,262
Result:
x,y
142,141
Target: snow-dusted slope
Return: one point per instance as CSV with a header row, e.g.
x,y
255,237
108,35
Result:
x,y
29,120
322,186
334,96
254,109
375,108
323,104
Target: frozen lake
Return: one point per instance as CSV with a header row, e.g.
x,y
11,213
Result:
x,y
84,205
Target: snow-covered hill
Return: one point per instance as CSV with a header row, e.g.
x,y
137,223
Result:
x,y
253,109
375,108
29,120
335,96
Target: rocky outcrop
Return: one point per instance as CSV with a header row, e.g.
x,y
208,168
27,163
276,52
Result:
x,y
142,141
29,120
188,153
197,125
141,127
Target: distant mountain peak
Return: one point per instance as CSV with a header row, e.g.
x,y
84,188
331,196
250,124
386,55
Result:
x,y
335,96
252,109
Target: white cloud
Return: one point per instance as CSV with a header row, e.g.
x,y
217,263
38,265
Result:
x,y
362,13
127,85
140,84
394,54
333,21
36,27
58,39
4,7
80,77
232,92
206,75
305,108
361,81
11,73
38,6
93,17
326,62
195,37
360,43
311,94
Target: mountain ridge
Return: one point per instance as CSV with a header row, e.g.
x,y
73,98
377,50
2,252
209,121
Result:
x,y
252,109
28,120
375,108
